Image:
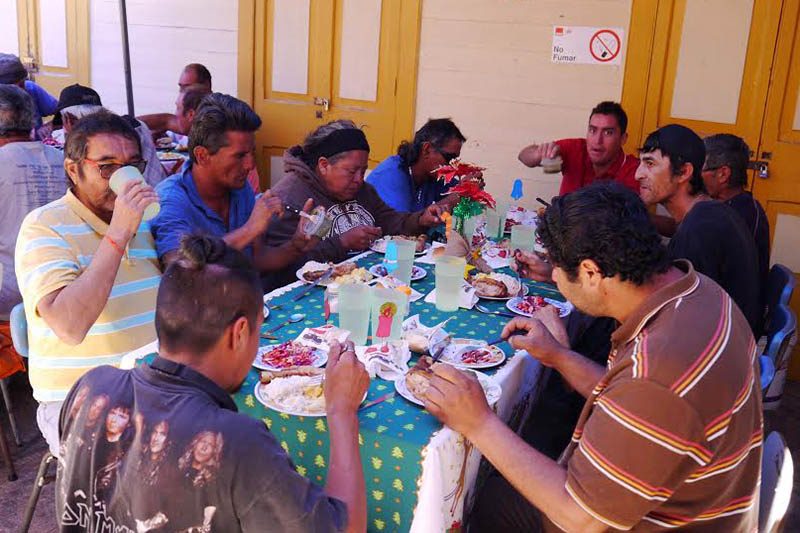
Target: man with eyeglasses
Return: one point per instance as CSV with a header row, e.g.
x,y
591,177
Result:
x,y
87,267
725,177
599,156
406,181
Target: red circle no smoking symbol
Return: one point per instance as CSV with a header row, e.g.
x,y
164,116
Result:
x,y
604,45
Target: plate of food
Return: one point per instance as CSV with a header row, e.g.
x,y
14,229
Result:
x,y
379,271
519,215
422,245
417,381
496,286
289,354
170,156
346,272
298,391
471,353
527,305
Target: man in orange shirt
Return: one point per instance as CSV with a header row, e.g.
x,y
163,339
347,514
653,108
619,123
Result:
x,y
597,157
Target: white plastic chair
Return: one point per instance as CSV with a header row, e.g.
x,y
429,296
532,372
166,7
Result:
x,y
777,472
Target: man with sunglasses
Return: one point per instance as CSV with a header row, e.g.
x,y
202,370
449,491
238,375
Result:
x,y
406,181
87,267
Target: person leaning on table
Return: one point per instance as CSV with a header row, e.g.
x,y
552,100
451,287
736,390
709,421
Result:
x,y
329,168
671,431
86,267
189,461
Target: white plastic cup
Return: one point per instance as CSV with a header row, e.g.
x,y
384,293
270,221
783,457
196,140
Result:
x,y
123,175
449,274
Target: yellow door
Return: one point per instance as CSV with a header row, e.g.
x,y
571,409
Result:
x,y
322,60
779,191
54,42
700,76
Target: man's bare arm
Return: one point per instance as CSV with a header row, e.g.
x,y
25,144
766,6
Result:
x,y
161,122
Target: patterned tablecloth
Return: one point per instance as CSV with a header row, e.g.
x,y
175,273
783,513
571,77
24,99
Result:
x,y
418,473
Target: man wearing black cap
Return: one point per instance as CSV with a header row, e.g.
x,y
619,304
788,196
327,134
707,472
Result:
x,y
78,101
710,234
13,72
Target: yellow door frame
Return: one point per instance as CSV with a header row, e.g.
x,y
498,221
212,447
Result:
x,y
406,80
77,44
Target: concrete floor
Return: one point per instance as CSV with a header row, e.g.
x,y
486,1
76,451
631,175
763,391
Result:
x,y
14,494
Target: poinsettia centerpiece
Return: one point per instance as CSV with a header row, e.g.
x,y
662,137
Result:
x,y
468,179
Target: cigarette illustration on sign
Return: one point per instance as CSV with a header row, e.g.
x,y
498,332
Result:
x,y
587,45
604,45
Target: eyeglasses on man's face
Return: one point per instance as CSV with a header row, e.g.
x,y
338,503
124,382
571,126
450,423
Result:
x,y
107,169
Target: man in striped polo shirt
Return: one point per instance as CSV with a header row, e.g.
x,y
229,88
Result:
x,y
670,435
87,268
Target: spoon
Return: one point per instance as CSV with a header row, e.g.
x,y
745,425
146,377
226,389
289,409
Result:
x,y
297,317
485,310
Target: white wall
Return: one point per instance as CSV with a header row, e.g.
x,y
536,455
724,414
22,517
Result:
x,y
9,42
164,36
486,64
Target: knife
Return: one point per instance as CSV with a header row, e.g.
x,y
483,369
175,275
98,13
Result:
x,y
377,400
325,277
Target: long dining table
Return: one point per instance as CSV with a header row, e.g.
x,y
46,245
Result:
x,y
419,474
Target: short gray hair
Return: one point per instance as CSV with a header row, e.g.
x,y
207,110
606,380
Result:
x,y
16,111
81,110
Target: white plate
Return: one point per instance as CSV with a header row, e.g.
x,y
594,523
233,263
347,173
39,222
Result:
x,y
320,358
313,265
379,246
268,404
417,273
564,308
524,291
492,390
452,354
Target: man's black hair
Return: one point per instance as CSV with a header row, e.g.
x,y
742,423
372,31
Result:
x,y
102,122
192,96
612,108
725,149
204,291
16,111
681,145
607,223
437,131
216,115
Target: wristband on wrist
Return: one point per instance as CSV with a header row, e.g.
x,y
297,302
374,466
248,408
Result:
x,y
115,244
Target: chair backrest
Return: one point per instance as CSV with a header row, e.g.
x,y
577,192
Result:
x,y
781,328
780,286
767,373
777,472
19,329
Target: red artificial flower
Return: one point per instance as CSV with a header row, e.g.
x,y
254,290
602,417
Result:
x,y
473,191
456,170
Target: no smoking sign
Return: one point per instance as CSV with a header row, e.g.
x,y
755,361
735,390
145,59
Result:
x,y
604,45
588,45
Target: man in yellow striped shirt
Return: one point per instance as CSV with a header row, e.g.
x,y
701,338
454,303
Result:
x,y
87,268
